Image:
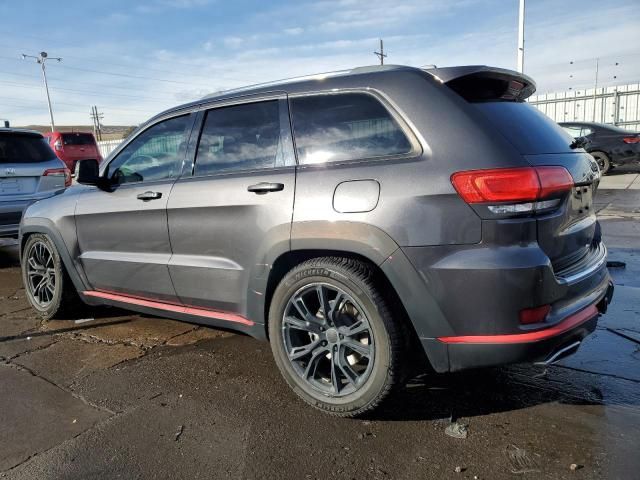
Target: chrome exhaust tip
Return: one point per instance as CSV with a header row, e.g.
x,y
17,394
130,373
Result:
x,y
560,354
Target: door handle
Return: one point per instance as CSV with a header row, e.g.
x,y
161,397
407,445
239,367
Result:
x,y
265,187
146,196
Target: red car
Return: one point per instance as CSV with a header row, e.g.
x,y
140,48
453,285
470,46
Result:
x,y
73,146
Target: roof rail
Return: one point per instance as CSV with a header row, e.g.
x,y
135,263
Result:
x,y
315,76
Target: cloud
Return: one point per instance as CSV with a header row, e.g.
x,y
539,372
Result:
x,y
294,31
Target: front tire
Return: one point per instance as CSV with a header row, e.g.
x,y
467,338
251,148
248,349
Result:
x,y
333,336
48,287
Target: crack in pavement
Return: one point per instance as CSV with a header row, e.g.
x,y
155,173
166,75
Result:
x,y
610,375
22,368
114,416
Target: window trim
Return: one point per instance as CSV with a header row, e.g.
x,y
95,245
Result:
x,y
189,113
406,126
285,129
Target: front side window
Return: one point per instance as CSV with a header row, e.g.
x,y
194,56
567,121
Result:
x,y
242,137
155,154
347,126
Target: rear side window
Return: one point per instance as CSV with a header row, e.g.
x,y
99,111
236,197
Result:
x,y
243,137
526,128
573,130
345,126
77,139
24,149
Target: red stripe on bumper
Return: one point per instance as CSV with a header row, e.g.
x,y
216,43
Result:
x,y
168,307
568,323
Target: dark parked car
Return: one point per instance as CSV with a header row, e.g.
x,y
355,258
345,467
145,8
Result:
x,y
29,171
367,223
611,146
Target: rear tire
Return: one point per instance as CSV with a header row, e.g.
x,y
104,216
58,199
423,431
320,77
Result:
x,y
603,161
333,336
48,287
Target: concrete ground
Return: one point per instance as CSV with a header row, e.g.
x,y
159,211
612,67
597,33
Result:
x,y
117,395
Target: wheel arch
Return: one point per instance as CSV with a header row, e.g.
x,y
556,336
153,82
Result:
x,y
289,260
45,226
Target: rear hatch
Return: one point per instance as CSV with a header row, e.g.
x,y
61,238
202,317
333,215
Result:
x,y
24,160
568,233
79,146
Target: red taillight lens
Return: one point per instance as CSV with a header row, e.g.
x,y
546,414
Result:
x,y
534,315
60,172
631,140
511,184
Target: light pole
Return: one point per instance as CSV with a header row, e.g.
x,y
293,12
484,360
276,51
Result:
x,y
521,37
41,59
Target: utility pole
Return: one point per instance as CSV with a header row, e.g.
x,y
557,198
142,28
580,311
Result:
x,y
41,59
521,37
595,90
381,53
96,117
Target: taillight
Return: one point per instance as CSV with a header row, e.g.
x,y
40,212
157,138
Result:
x,y
631,140
59,172
58,145
523,188
534,315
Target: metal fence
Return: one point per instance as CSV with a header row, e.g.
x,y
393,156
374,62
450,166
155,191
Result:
x,y
108,146
617,105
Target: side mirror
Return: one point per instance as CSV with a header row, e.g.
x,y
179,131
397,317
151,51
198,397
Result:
x,y
87,172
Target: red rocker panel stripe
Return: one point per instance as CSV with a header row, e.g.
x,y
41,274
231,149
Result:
x,y
561,327
199,312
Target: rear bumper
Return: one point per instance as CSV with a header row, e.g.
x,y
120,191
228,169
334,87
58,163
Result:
x,y
541,346
11,212
464,303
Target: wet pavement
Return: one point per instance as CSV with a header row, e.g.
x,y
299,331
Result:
x,y
115,395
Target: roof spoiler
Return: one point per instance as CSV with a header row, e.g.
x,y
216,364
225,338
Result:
x,y
477,83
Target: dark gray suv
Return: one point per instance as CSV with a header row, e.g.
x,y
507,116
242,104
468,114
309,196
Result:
x,y
365,222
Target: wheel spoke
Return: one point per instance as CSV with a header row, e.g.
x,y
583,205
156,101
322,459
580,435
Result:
x,y
336,305
347,371
310,370
323,301
358,327
302,309
361,348
335,372
299,352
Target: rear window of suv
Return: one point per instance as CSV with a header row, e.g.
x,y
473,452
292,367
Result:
x,y
526,127
345,126
16,148
77,139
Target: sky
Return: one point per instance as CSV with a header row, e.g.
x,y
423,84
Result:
x,y
136,58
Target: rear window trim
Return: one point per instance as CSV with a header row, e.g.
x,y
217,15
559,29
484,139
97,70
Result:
x,y
407,128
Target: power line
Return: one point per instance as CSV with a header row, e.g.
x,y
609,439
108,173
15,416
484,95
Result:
x,y
140,99
125,75
90,84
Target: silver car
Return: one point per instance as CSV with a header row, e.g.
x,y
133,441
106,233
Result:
x,y
29,171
